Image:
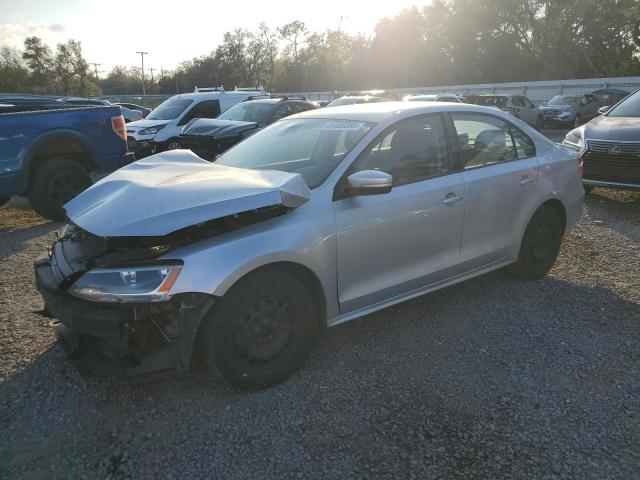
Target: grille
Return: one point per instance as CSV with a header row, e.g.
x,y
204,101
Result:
x,y
612,161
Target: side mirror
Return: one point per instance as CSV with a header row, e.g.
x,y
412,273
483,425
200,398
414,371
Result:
x,y
603,110
369,182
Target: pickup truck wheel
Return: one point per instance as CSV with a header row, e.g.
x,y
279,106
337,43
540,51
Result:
x,y
540,245
261,331
54,183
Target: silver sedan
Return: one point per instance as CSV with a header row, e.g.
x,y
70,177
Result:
x,y
318,219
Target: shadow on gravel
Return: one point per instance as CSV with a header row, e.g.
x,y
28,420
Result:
x,y
14,240
492,378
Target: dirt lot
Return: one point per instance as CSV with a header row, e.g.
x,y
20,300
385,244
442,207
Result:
x,y
494,378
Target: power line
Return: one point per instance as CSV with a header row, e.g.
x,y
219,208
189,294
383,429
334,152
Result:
x,y
95,68
142,54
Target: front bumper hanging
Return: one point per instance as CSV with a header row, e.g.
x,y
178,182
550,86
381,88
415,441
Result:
x,y
128,339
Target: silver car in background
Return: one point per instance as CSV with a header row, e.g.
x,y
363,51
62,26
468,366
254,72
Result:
x,y
571,110
320,218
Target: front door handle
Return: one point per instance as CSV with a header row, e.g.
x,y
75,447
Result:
x,y
451,199
527,179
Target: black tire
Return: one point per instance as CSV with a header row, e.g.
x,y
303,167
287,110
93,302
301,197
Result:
x,y
539,123
4,201
577,121
540,245
54,183
261,331
588,188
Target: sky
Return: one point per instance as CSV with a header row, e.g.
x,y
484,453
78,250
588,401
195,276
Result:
x,y
113,31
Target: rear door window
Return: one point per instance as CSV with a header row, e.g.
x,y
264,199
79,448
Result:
x,y
483,140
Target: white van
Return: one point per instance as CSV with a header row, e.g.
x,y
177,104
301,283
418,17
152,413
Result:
x,y
161,129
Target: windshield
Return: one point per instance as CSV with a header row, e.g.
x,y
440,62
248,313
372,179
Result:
x,y
169,109
312,147
249,112
564,100
499,102
629,107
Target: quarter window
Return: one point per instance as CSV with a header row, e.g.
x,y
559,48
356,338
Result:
x,y
525,147
483,140
412,151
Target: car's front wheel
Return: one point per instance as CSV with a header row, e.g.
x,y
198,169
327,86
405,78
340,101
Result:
x,y
540,245
261,331
173,144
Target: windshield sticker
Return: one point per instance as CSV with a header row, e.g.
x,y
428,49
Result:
x,y
343,125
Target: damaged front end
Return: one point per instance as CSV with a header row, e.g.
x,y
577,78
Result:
x,y
108,279
135,326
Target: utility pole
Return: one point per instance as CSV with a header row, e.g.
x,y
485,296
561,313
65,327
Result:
x,y
152,69
142,54
95,68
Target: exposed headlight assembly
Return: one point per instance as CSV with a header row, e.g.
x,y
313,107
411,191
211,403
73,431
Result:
x,y
151,130
127,284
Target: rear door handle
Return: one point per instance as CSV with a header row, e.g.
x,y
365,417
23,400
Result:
x,y
451,199
527,179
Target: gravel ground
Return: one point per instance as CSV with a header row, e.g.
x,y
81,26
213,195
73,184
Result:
x,y
493,378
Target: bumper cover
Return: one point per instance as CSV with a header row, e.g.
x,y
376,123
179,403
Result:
x,y
620,185
127,339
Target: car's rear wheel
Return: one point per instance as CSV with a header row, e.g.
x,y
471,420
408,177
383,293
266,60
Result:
x,y
577,121
261,331
54,183
539,123
540,245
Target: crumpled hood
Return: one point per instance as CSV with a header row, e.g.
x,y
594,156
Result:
x,y
176,189
207,127
620,129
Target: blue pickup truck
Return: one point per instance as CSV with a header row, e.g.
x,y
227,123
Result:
x,y
51,154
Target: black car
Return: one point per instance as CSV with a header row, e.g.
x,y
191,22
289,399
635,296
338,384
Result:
x,y
132,106
610,147
210,137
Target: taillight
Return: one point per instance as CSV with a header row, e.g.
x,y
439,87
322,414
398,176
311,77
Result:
x,y
119,127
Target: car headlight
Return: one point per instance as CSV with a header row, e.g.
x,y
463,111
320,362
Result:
x,y
127,284
151,130
565,113
574,139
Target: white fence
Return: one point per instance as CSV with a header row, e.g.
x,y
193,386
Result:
x,y
537,92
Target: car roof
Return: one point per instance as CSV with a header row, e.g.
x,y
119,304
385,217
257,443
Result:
x,y
382,111
214,95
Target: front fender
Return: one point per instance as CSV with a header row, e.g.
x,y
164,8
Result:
x,y
214,265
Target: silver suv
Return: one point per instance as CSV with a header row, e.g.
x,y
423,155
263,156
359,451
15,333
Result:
x,y
318,219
